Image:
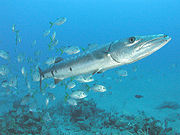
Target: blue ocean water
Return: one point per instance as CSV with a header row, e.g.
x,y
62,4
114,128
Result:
x,y
156,78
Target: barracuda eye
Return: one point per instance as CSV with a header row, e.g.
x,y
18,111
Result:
x,y
132,39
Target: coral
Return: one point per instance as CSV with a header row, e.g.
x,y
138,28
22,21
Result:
x,y
86,118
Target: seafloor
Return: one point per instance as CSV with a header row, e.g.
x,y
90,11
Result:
x,y
84,119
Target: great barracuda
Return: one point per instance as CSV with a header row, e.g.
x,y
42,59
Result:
x,y
108,56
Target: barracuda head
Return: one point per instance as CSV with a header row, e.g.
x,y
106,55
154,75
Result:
x,y
135,48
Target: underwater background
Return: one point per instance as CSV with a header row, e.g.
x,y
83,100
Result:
x,y
143,101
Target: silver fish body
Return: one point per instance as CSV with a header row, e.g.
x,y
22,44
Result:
x,y
90,62
109,56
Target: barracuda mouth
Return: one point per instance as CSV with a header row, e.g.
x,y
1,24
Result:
x,y
157,41
149,46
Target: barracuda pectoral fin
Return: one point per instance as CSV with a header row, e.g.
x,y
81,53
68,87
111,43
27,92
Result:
x,y
58,59
56,81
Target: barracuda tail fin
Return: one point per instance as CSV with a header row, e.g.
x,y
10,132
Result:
x,y
41,74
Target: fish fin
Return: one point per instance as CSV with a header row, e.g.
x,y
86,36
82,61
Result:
x,y
94,72
51,24
72,78
61,51
17,31
50,39
97,71
56,81
101,71
66,96
83,49
41,74
109,49
58,59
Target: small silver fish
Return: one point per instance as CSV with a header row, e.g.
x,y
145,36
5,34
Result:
x,y
78,95
14,28
50,61
99,88
59,21
4,70
71,85
47,117
20,58
84,78
36,77
33,107
4,54
25,100
23,71
52,86
19,39
13,82
34,43
72,50
47,32
4,84
72,102
55,42
51,96
28,85
53,36
122,72
47,101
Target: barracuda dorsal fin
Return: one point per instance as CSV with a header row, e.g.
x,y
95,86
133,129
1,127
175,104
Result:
x,y
56,81
58,59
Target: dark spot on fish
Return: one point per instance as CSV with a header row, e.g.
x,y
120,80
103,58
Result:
x,y
138,96
55,71
70,69
4,81
52,73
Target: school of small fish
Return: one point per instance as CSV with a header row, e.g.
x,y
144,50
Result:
x,y
77,87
